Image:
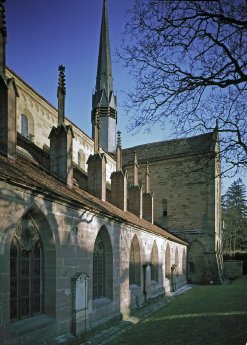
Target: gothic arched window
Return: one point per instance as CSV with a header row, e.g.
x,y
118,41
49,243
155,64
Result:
x,y
26,271
134,263
154,262
24,125
99,268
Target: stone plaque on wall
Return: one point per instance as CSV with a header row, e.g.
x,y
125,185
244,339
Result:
x,y
79,284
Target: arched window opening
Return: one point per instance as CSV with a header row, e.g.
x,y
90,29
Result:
x,y
24,125
154,263
134,263
99,268
26,271
102,266
168,262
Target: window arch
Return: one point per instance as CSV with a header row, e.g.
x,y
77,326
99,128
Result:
x,y
26,271
154,262
24,126
135,262
168,262
102,266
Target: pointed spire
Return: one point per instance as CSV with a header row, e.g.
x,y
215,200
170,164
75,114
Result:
x,y
104,71
135,169
61,92
147,179
103,96
119,152
3,38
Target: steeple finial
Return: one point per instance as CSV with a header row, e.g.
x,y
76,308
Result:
x,y
3,37
216,125
136,170
61,92
135,158
147,179
119,144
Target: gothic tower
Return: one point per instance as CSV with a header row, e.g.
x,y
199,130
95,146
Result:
x,y
104,101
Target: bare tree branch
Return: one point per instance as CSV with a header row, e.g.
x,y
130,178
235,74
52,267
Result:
x,y
189,61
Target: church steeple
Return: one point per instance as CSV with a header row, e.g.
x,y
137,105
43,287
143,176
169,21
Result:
x,y
104,101
104,71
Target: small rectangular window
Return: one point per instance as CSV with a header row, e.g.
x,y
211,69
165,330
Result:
x,y
164,208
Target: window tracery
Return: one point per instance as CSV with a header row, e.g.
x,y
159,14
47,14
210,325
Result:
x,y
26,270
99,268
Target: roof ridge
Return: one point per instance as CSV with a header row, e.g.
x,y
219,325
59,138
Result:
x,y
169,141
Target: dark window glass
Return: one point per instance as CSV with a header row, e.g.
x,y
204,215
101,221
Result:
x,y
99,268
25,274
132,266
134,263
164,208
13,281
24,125
154,262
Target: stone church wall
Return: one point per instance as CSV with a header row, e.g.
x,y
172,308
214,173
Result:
x,y
68,235
187,203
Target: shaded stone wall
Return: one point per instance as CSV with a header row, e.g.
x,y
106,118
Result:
x,y
192,193
68,235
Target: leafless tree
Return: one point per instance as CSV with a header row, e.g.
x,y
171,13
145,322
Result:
x,y
188,59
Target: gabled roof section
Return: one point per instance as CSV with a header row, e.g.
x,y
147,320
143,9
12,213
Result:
x,y
24,173
161,150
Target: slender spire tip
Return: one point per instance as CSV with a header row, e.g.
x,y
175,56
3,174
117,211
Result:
x,y
119,142
61,80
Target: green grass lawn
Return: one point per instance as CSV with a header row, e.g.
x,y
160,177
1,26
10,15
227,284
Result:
x,y
206,315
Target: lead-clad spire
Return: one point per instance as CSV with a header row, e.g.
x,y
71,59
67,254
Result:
x,y
103,97
104,71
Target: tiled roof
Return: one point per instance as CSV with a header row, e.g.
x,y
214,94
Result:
x,y
199,144
27,174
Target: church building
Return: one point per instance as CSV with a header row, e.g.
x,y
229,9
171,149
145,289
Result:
x,y
90,231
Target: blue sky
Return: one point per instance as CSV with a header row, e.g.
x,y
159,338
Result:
x,y
43,34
